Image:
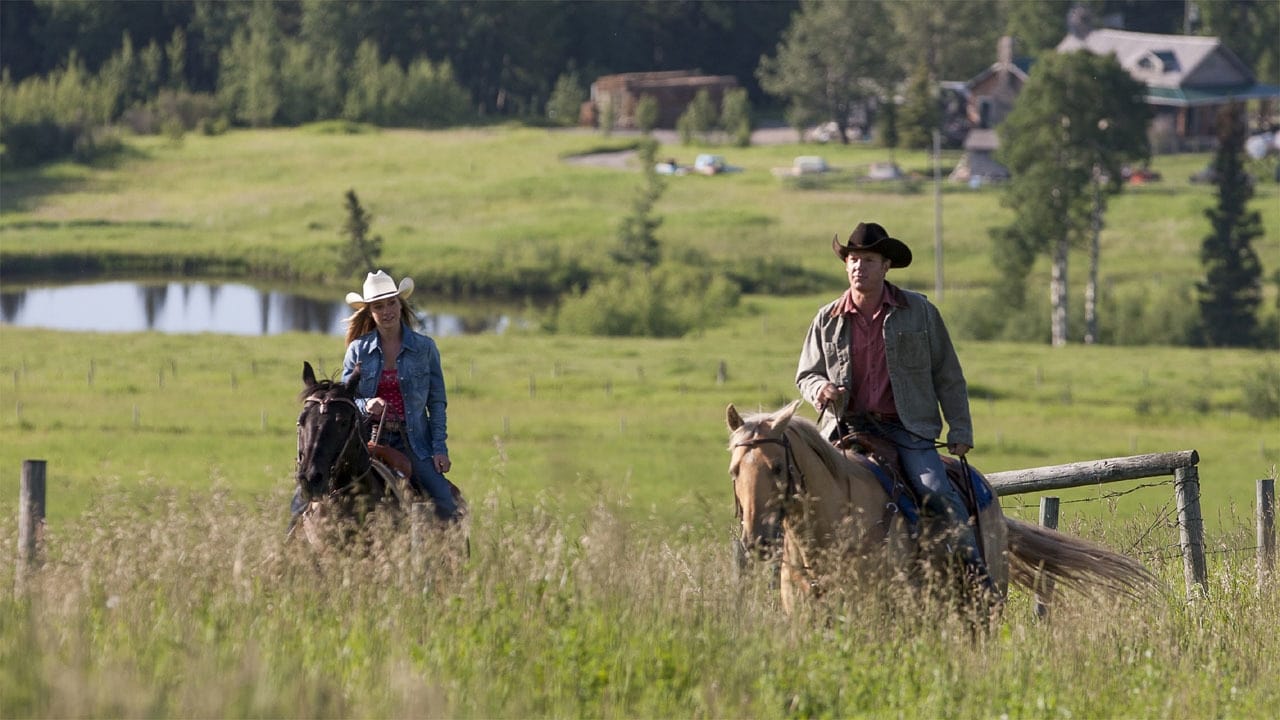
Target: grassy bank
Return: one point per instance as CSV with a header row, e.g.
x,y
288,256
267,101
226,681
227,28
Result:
x,y
462,207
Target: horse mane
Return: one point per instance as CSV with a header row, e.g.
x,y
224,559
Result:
x,y
325,386
805,431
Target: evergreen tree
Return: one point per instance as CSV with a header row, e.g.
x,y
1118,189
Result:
x,y
1037,25
1231,291
646,114
919,115
699,117
566,99
360,252
735,116
637,243
176,54
889,126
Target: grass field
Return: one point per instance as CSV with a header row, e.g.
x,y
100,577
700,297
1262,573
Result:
x,y
600,583
477,198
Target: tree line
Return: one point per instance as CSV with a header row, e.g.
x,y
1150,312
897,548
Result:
x,y
431,63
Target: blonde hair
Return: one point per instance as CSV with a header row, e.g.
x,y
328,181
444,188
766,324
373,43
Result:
x,y
361,321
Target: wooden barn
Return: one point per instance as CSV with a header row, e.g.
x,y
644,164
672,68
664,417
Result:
x,y
673,90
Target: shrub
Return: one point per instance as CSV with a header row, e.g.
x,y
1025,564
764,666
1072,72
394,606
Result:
x,y
669,301
735,116
431,96
1262,393
647,114
566,99
700,117
31,143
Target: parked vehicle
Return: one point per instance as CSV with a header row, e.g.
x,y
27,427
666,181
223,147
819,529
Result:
x,y
706,164
804,165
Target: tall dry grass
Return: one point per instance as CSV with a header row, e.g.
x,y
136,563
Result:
x,y
195,607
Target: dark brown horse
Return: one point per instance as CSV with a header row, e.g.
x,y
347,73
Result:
x,y
338,478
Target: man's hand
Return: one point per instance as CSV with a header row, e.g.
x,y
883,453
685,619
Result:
x,y
829,394
958,449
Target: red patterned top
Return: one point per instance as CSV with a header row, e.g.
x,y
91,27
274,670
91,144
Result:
x,y
389,391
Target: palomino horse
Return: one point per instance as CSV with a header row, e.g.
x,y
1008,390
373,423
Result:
x,y
835,517
337,477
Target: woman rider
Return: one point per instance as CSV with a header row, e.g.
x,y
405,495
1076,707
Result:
x,y
401,383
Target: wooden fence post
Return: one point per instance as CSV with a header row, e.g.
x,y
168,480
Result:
x,y
418,532
420,526
1044,590
1186,486
1266,531
30,515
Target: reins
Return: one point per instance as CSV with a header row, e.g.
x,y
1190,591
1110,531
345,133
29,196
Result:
x,y
791,488
793,470
354,434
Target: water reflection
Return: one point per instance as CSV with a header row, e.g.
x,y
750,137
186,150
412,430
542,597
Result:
x,y
194,307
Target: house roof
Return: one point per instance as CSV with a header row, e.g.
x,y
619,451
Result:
x,y
1167,61
1018,68
1189,97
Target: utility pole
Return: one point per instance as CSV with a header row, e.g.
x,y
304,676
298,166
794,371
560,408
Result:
x,y
937,215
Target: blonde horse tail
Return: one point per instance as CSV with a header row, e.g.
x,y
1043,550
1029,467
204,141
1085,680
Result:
x,y
1036,553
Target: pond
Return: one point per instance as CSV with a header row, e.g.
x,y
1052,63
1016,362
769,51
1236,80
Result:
x,y
230,308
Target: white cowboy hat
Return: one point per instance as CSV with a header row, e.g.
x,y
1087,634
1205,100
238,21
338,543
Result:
x,y
379,286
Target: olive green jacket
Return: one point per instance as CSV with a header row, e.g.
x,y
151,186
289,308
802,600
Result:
x,y
924,370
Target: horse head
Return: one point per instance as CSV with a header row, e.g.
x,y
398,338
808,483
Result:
x,y
328,433
762,467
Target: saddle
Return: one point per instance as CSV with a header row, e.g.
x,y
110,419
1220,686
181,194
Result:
x,y
392,458
399,465
880,455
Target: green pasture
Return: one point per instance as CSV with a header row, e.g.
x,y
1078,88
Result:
x,y
570,419
270,202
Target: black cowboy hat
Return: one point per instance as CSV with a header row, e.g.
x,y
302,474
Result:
x,y
873,238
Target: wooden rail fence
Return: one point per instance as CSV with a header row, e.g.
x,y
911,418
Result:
x,y
1182,465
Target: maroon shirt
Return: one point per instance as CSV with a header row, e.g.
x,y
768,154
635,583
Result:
x,y
389,391
872,391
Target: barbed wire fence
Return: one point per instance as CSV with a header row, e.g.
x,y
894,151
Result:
x,y
1182,512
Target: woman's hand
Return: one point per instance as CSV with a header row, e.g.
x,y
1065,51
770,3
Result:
x,y
442,463
375,407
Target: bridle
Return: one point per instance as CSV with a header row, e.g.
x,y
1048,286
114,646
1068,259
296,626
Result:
x,y
353,435
793,471
794,479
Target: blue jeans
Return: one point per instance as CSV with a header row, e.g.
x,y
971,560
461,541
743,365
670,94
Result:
x,y
923,468
426,477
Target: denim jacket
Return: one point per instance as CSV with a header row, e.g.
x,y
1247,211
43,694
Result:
x,y
924,370
421,384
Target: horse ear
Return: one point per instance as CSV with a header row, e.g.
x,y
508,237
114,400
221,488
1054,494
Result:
x,y
353,382
783,416
308,374
732,416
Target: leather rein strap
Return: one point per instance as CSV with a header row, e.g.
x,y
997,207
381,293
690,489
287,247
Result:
x,y
323,402
793,471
